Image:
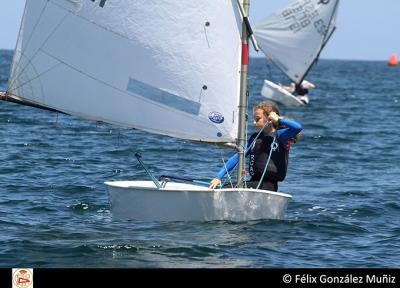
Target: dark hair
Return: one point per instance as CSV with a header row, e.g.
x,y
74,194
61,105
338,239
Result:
x,y
267,108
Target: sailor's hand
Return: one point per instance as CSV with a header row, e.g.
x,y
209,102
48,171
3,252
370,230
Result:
x,y
273,117
214,183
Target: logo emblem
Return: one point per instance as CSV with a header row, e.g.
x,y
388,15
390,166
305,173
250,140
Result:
x,y
22,278
216,117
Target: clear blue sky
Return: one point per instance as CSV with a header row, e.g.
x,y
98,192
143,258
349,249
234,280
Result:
x,y
366,29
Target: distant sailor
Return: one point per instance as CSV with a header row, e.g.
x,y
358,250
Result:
x,y
300,91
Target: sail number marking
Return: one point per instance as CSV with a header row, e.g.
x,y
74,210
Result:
x,y
302,14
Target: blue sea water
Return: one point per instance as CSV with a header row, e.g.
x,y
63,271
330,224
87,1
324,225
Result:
x,y
343,175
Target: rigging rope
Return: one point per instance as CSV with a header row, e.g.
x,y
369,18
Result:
x,y
11,82
29,61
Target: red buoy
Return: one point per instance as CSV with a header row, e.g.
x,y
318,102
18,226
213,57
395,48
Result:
x,y
393,60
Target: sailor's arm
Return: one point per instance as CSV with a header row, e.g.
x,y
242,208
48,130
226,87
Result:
x,y
293,128
230,164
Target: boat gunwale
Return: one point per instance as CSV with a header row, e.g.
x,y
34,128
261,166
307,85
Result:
x,y
204,189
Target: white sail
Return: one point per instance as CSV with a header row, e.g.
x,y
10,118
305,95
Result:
x,y
293,37
168,67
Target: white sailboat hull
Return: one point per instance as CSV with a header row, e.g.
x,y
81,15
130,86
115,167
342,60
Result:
x,y
142,201
279,95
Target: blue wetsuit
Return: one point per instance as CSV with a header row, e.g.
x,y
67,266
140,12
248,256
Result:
x,y
259,153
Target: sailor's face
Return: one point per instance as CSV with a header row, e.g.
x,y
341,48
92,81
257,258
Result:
x,y
259,119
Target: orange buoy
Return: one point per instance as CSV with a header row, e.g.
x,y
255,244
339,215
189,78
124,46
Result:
x,y
393,60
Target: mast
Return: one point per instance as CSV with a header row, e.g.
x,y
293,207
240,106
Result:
x,y
241,138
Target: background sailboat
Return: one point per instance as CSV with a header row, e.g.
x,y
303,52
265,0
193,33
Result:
x,y
113,63
293,39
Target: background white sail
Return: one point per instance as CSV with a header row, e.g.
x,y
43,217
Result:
x,y
293,37
168,67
